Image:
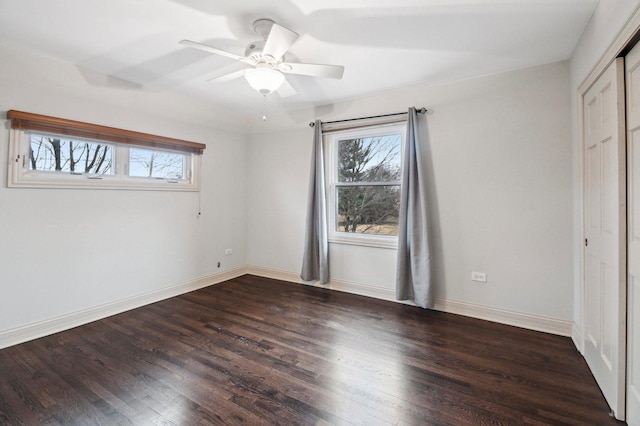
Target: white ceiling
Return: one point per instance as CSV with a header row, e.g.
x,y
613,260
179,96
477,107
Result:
x,y
383,44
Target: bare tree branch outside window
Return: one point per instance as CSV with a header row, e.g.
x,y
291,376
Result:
x,y
156,164
49,153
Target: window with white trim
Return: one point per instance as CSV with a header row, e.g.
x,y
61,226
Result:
x,y
51,158
363,184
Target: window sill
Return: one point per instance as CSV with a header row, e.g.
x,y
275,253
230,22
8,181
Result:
x,y
367,242
106,182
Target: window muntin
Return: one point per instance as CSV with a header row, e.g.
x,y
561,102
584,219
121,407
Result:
x,y
364,184
48,160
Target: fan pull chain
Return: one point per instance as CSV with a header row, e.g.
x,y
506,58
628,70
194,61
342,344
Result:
x,y
264,116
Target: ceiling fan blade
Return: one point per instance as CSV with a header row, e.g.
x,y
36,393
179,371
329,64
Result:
x,y
227,77
213,50
314,70
278,41
286,90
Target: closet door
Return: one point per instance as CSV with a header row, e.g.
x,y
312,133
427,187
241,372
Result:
x,y
632,68
605,234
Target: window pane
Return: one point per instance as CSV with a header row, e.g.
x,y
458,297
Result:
x,y
156,164
369,209
53,153
371,159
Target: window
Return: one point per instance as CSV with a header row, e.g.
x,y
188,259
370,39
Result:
x,y
364,184
46,154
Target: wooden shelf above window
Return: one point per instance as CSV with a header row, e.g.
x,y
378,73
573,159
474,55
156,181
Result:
x,y
60,126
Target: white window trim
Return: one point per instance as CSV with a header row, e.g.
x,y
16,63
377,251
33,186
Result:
x,y
20,176
330,141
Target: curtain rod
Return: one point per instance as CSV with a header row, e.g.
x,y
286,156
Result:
x,y
419,110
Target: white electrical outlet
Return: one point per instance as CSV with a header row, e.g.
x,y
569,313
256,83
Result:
x,y
227,252
480,277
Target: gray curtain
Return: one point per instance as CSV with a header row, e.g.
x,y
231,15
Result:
x,y
413,275
315,261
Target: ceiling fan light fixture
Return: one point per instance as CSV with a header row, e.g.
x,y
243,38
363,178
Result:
x,y
264,80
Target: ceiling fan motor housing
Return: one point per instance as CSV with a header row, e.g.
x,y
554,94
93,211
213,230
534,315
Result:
x,y
254,53
254,50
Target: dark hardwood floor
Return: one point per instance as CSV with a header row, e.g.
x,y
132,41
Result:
x,y
260,351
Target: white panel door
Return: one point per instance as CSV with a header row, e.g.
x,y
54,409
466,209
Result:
x,y
605,233
632,68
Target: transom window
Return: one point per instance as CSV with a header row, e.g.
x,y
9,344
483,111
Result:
x,y
41,157
364,184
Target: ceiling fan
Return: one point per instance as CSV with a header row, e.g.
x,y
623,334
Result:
x,y
266,62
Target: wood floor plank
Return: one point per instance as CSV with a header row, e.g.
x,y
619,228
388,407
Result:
x,y
260,351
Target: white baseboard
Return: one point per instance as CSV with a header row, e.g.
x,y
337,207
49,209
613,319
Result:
x,y
518,319
339,285
64,322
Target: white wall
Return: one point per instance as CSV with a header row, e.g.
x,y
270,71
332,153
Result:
x,y
500,185
501,195
607,21
64,251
